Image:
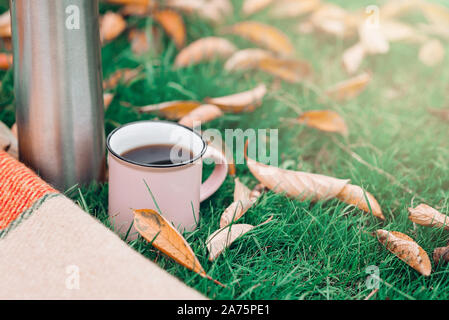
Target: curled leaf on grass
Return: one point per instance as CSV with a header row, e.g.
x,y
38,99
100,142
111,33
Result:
x,y
221,239
290,70
173,24
202,114
441,254
246,59
124,76
173,110
263,35
427,216
154,228
6,61
241,102
406,249
8,141
432,53
294,8
111,26
314,187
243,200
250,7
353,58
324,120
204,49
350,88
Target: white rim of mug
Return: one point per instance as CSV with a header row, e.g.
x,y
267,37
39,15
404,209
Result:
x,y
199,156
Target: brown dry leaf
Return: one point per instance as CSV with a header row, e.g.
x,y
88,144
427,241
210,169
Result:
x,y
241,102
163,236
140,43
246,59
5,25
293,71
8,141
120,76
243,200
441,254
356,196
314,187
6,61
353,58
221,239
203,50
202,114
214,11
173,110
324,120
405,249
373,39
252,6
111,26
427,216
432,53
294,8
107,98
334,20
264,35
350,88
173,24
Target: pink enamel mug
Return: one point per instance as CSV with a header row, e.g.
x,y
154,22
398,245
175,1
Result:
x,y
175,190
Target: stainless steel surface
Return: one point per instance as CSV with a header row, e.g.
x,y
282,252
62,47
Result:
x,y
58,89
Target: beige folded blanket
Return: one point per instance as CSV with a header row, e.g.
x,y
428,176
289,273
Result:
x,y
54,250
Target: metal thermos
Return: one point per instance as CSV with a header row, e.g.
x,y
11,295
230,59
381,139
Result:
x,y
58,89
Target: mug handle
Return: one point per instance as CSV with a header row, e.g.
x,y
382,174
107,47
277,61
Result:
x,y
218,176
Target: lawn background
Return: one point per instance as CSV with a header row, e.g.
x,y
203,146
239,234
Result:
x,y
309,251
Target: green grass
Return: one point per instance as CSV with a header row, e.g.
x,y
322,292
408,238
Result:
x,y
310,250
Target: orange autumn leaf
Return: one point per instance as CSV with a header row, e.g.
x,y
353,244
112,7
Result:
x,y
406,249
204,49
6,61
173,24
350,88
250,7
243,200
324,120
173,110
120,76
163,236
247,59
358,197
5,25
264,35
313,187
133,2
290,70
429,217
333,20
200,115
241,102
111,26
107,98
